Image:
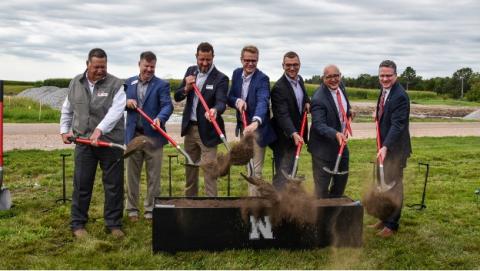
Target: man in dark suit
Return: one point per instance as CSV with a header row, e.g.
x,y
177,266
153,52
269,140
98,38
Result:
x,y
250,92
330,114
201,139
289,101
393,111
152,95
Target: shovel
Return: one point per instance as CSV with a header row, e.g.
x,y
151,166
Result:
x,y
214,120
170,139
245,124
335,171
382,186
299,146
5,198
100,143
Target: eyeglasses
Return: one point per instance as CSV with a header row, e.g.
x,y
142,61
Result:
x,y
294,65
332,76
386,75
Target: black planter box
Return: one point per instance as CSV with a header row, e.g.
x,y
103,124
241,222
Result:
x,y
176,228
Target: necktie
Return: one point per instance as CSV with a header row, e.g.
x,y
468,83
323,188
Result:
x,y
381,104
343,114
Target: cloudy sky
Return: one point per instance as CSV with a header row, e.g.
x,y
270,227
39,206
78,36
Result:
x,y
50,38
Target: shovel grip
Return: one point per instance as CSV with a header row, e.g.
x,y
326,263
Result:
x,y
158,128
244,119
207,109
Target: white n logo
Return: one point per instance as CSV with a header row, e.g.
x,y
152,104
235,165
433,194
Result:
x,y
257,225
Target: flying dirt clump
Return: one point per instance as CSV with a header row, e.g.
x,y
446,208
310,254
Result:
x,y
240,154
381,204
292,204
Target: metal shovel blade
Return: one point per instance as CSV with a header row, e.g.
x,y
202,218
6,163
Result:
x,y
5,199
382,186
333,172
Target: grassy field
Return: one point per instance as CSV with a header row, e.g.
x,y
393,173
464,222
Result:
x,y
35,233
15,89
24,110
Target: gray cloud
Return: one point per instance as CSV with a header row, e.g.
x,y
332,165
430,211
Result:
x,y
434,37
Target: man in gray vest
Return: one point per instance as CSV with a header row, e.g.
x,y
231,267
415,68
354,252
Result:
x,y
94,109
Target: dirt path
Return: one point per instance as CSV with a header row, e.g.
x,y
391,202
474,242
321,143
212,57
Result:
x,y
46,136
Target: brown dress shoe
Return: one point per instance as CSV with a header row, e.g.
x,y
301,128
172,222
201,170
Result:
x,y
118,233
377,226
386,233
80,233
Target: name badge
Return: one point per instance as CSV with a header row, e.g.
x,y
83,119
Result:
x,y
209,87
102,94
133,82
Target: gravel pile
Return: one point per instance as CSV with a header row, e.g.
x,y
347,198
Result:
x,y
52,96
473,116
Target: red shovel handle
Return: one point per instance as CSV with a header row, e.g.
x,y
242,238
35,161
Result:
x,y
205,106
244,119
158,128
87,141
302,129
380,158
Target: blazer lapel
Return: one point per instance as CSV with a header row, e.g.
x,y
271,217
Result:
x,y
330,100
291,92
151,85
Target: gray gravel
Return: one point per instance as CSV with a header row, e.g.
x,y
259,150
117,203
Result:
x,y
52,96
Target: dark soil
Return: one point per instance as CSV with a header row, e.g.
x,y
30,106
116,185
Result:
x,y
380,204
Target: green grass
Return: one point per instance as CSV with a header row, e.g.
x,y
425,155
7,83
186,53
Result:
x,y
446,235
24,110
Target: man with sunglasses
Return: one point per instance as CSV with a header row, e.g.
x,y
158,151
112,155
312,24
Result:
x,y
331,115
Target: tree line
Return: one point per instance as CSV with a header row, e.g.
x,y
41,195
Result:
x,y
463,84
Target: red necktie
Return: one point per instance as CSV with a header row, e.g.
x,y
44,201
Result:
x,y
343,118
340,106
381,104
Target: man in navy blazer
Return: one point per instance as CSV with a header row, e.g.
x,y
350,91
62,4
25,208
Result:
x,y
289,101
393,112
330,113
152,95
250,92
201,139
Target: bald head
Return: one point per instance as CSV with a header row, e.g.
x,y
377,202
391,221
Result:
x,y
331,76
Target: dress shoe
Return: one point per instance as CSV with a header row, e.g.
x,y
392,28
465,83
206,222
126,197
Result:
x,y
80,233
386,233
117,233
133,218
377,226
148,216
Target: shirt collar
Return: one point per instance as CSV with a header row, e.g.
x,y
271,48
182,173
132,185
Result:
x,y
293,81
247,77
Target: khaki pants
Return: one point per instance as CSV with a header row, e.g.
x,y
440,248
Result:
x,y
258,161
197,151
153,160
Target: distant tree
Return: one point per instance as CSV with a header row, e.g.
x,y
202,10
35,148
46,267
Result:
x,y
316,79
462,76
409,75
